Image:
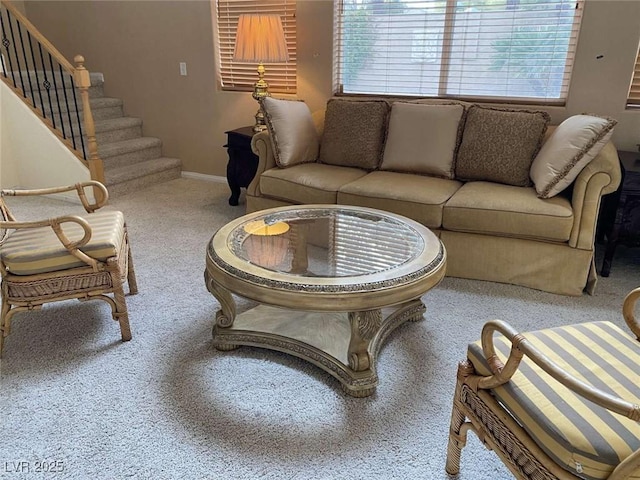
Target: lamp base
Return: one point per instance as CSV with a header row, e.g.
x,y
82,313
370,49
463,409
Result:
x,y
260,125
260,90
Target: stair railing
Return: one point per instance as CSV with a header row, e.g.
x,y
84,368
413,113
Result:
x,y
46,81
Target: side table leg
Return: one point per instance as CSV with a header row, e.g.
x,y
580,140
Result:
x,y
612,243
235,195
225,316
232,180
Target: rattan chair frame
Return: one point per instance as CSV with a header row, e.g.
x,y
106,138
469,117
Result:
x,y
96,280
476,409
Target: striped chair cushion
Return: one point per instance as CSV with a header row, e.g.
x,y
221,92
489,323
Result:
x,y
580,436
29,251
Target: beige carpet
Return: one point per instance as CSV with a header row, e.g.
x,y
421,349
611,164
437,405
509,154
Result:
x,y
167,405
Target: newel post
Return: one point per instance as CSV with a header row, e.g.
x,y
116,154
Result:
x,y
83,82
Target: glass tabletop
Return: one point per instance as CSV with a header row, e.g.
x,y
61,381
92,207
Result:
x,y
325,242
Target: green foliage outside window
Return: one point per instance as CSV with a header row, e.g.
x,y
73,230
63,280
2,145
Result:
x,y
358,41
533,53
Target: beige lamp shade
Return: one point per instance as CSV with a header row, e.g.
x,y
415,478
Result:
x,y
260,39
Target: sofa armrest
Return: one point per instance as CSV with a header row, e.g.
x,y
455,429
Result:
x,y
261,146
601,176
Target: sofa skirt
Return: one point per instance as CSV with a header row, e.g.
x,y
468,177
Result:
x,y
551,267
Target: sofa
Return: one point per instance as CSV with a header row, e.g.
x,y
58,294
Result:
x,y
513,199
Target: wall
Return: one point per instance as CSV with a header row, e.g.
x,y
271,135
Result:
x,y
24,142
138,46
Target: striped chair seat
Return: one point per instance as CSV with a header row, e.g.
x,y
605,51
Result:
x,y
582,437
30,251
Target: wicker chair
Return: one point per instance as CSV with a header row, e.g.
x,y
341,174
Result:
x,y
84,257
560,403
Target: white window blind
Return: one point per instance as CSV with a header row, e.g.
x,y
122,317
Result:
x,y
485,49
634,90
241,76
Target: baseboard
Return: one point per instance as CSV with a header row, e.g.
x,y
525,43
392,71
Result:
x,y
205,177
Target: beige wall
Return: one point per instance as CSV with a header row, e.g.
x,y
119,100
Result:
x,y
25,141
138,45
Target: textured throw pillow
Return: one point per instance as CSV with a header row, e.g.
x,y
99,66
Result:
x,y
571,146
423,138
354,133
499,145
293,136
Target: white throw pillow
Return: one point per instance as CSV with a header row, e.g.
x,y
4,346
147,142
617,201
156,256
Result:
x,y
293,135
423,138
571,146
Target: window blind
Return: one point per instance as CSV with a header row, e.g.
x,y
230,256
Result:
x,y
480,49
634,90
241,76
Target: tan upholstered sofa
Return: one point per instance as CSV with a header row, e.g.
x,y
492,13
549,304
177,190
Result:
x,y
530,222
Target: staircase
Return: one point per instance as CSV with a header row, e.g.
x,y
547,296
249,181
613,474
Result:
x,y
131,161
59,92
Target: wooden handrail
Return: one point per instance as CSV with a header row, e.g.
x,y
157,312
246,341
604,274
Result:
x,y
38,36
82,81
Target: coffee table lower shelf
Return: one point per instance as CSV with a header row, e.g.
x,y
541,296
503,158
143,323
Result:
x,y
345,345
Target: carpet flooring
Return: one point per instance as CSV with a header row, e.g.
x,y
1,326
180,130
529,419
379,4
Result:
x,y
167,405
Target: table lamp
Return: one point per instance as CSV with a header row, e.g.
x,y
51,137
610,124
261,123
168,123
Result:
x,y
260,39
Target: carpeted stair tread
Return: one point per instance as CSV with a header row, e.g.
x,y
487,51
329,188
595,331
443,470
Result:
x,y
96,104
104,125
105,102
111,124
99,107
141,169
112,149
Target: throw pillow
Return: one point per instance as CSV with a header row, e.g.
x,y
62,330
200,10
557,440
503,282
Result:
x,y
354,133
571,146
423,138
293,136
498,145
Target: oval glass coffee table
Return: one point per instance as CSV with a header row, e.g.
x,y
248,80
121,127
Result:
x,y
331,281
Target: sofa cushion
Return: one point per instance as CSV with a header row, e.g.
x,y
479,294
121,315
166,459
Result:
x,y
582,437
496,209
307,183
571,146
498,145
293,135
354,133
415,196
423,138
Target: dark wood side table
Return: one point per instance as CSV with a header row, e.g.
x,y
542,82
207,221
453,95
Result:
x,y
243,163
620,212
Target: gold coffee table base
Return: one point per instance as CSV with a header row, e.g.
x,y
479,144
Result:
x,y
345,345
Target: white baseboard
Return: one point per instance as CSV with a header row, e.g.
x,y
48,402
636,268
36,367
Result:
x,y
205,177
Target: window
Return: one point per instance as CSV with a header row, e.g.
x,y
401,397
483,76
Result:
x,y
491,49
241,76
634,90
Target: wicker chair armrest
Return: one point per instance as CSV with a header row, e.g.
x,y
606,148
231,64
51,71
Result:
x,y
80,188
72,246
520,346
